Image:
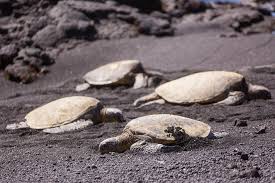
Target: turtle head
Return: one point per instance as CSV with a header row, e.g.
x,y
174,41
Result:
x,y
109,145
112,115
258,92
117,144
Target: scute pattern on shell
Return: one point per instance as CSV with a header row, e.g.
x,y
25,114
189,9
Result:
x,y
155,126
203,87
112,72
60,112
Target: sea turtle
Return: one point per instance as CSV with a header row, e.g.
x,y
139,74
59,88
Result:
x,y
220,87
156,132
126,72
68,114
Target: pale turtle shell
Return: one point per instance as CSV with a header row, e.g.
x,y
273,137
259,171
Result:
x,y
155,126
203,87
61,111
112,73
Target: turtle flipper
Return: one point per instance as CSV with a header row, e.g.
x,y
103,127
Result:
x,y
140,81
234,98
268,69
16,126
150,148
77,125
146,98
158,101
217,135
82,87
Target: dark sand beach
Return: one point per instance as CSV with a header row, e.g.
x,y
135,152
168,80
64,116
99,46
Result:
x,y
244,155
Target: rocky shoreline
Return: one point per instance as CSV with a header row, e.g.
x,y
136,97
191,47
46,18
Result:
x,y
33,34
217,37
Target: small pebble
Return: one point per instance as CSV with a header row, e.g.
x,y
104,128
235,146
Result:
x,y
240,123
232,166
239,153
261,130
254,173
94,167
244,156
97,177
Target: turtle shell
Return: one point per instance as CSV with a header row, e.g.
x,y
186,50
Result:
x,y
203,87
166,128
61,111
113,73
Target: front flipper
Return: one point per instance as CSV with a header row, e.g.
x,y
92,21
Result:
x,y
77,125
15,126
146,98
234,98
82,87
140,81
150,148
158,101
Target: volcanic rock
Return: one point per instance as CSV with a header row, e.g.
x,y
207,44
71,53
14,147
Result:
x,y
7,54
48,36
5,7
20,72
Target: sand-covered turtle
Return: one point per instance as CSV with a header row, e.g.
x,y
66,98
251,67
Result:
x,y
68,114
126,72
156,132
220,87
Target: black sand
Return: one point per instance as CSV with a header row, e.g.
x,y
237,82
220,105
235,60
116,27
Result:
x,y
33,156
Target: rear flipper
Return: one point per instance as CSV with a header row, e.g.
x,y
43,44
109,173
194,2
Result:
x,y
268,69
150,148
234,98
217,135
82,87
15,126
77,125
